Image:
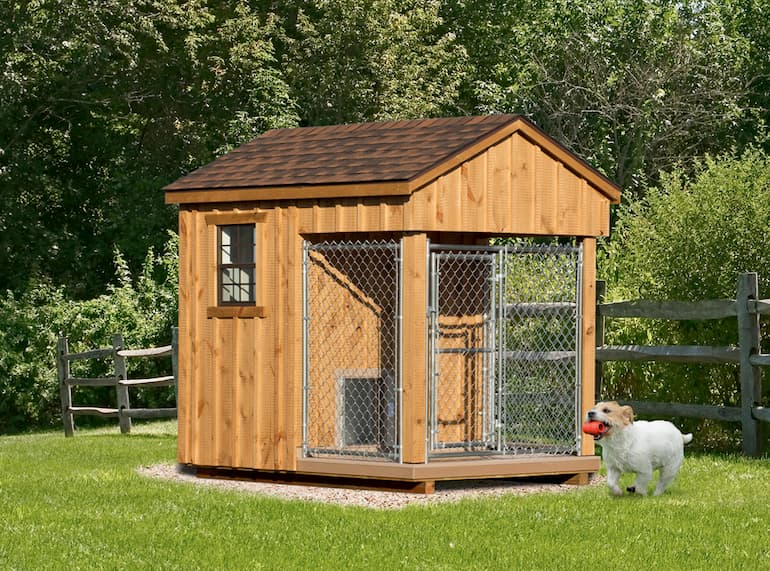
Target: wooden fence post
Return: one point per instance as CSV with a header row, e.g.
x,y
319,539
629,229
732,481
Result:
x,y
121,373
751,376
65,391
601,292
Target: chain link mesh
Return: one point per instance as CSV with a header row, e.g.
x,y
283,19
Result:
x,y
538,388
504,350
352,337
463,347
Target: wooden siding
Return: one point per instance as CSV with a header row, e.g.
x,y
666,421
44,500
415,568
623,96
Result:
x,y
239,386
588,339
240,378
513,188
413,335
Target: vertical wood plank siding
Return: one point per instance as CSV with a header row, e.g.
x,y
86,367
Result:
x,y
413,356
512,188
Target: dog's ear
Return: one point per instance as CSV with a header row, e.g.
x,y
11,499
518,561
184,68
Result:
x,y
628,414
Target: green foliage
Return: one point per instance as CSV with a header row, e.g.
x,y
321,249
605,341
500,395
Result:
x,y
359,60
103,103
631,85
688,239
142,310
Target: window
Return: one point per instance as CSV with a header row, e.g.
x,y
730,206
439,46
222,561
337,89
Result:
x,y
236,264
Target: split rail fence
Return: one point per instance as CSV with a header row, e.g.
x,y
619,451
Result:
x,y
746,307
119,379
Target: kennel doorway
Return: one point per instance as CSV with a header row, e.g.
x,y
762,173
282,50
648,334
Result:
x,y
504,349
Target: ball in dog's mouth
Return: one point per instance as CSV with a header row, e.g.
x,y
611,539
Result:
x,y
595,428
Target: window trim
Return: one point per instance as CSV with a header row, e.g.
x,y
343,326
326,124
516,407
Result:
x,y
235,310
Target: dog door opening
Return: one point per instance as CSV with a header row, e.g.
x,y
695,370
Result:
x,y
368,412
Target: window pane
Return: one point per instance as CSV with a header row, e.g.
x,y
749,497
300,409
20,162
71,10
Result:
x,y
237,264
244,249
226,242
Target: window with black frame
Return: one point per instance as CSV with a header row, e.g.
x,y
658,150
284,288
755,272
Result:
x,y
236,264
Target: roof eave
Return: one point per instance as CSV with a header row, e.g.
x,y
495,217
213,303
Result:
x,y
292,192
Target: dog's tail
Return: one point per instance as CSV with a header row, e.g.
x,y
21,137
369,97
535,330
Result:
x,y
687,438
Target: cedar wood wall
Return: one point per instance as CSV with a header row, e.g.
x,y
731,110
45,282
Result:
x,y
240,379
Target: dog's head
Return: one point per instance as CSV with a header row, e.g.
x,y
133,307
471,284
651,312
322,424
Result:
x,y
612,415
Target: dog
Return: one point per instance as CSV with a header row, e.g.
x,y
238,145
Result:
x,y
639,447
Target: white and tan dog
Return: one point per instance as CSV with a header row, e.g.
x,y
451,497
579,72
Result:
x,y
639,447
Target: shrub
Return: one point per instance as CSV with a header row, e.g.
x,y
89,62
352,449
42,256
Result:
x,y
142,310
688,239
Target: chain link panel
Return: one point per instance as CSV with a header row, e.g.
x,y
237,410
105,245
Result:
x,y
504,352
352,337
539,381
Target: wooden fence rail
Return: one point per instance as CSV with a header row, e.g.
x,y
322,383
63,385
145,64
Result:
x,y
746,308
119,379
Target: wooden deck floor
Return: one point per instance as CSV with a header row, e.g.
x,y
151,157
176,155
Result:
x,y
476,467
417,478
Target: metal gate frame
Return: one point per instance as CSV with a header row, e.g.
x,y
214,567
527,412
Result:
x,y
499,430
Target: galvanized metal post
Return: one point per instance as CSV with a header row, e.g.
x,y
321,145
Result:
x,y
433,372
399,353
305,349
578,346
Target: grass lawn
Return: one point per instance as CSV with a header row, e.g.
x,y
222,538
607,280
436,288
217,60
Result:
x,y
78,503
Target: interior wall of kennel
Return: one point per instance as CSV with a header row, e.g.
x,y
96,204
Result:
x,y
240,368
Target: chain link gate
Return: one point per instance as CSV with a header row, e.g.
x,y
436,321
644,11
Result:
x,y
504,362
352,337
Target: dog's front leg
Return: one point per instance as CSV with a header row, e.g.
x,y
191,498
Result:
x,y
613,477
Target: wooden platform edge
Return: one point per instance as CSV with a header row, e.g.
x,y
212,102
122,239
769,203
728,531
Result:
x,y
414,478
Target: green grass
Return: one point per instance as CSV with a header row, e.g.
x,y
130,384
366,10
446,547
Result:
x,y
78,503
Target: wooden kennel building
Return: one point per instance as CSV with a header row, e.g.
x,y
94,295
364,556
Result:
x,y
377,301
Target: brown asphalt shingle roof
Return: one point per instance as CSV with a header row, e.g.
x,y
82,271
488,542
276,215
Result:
x,y
342,154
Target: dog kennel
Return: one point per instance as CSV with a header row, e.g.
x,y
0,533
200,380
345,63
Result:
x,y
403,301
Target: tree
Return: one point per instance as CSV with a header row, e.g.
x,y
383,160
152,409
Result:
x,y
102,104
633,86
361,60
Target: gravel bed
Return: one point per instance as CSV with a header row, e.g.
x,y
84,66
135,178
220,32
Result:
x,y
445,491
